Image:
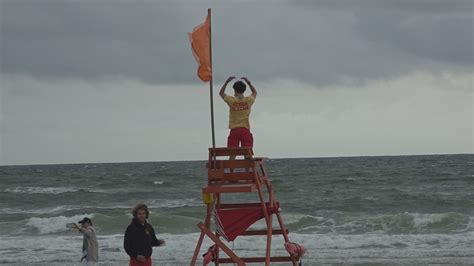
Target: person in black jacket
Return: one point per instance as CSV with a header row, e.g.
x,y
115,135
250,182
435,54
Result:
x,y
140,237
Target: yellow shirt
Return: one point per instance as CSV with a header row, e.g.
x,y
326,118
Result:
x,y
239,110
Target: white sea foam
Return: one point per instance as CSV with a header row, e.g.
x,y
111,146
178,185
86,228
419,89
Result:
x,y
97,190
153,204
296,217
393,224
40,190
326,248
54,224
156,204
48,210
158,182
174,203
454,222
425,219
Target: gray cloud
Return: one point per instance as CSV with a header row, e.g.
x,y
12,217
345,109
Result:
x,y
411,6
433,29
90,40
441,38
320,42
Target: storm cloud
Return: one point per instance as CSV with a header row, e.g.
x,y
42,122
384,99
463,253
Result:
x,y
115,81
320,42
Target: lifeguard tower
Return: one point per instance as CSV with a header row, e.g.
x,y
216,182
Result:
x,y
235,170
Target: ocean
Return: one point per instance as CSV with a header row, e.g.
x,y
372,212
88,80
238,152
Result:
x,y
382,210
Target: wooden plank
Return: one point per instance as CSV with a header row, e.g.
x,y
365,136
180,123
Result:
x,y
241,151
214,175
276,205
198,247
240,205
235,163
216,164
263,232
233,188
233,258
238,164
259,259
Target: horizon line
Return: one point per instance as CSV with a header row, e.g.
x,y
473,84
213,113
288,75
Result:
x,y
268,158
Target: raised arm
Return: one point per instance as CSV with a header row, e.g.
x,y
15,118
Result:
x,y
222,91
252,88
85,231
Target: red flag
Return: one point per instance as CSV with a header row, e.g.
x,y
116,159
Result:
x,y
200,44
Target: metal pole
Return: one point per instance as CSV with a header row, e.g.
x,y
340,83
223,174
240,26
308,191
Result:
x,y
211,81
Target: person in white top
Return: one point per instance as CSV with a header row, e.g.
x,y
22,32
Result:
x,y
90,247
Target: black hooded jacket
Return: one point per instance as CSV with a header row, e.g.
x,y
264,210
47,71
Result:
x,y
139,239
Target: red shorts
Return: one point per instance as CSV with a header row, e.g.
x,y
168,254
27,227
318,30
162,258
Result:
x,y
240,135
135,262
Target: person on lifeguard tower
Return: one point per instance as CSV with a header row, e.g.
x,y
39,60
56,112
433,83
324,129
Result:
x,y
239,112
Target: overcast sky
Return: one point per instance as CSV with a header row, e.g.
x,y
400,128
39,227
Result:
x,y
115,81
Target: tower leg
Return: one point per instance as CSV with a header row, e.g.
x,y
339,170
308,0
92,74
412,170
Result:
x,y
285,235
198,247
269,241
207,223
220,244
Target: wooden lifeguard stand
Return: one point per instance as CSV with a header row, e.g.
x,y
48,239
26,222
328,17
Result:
x,y
239,175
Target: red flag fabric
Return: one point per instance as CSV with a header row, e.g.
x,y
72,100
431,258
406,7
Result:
x,y
200,45
233,222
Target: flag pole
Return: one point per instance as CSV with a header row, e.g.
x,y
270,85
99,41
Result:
x,y
211,81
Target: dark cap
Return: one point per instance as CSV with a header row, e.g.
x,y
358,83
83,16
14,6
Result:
x,y
85,220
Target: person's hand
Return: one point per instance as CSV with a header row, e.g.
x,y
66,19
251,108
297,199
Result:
x,y
246,79
161,242
229,79
141,258
74,225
